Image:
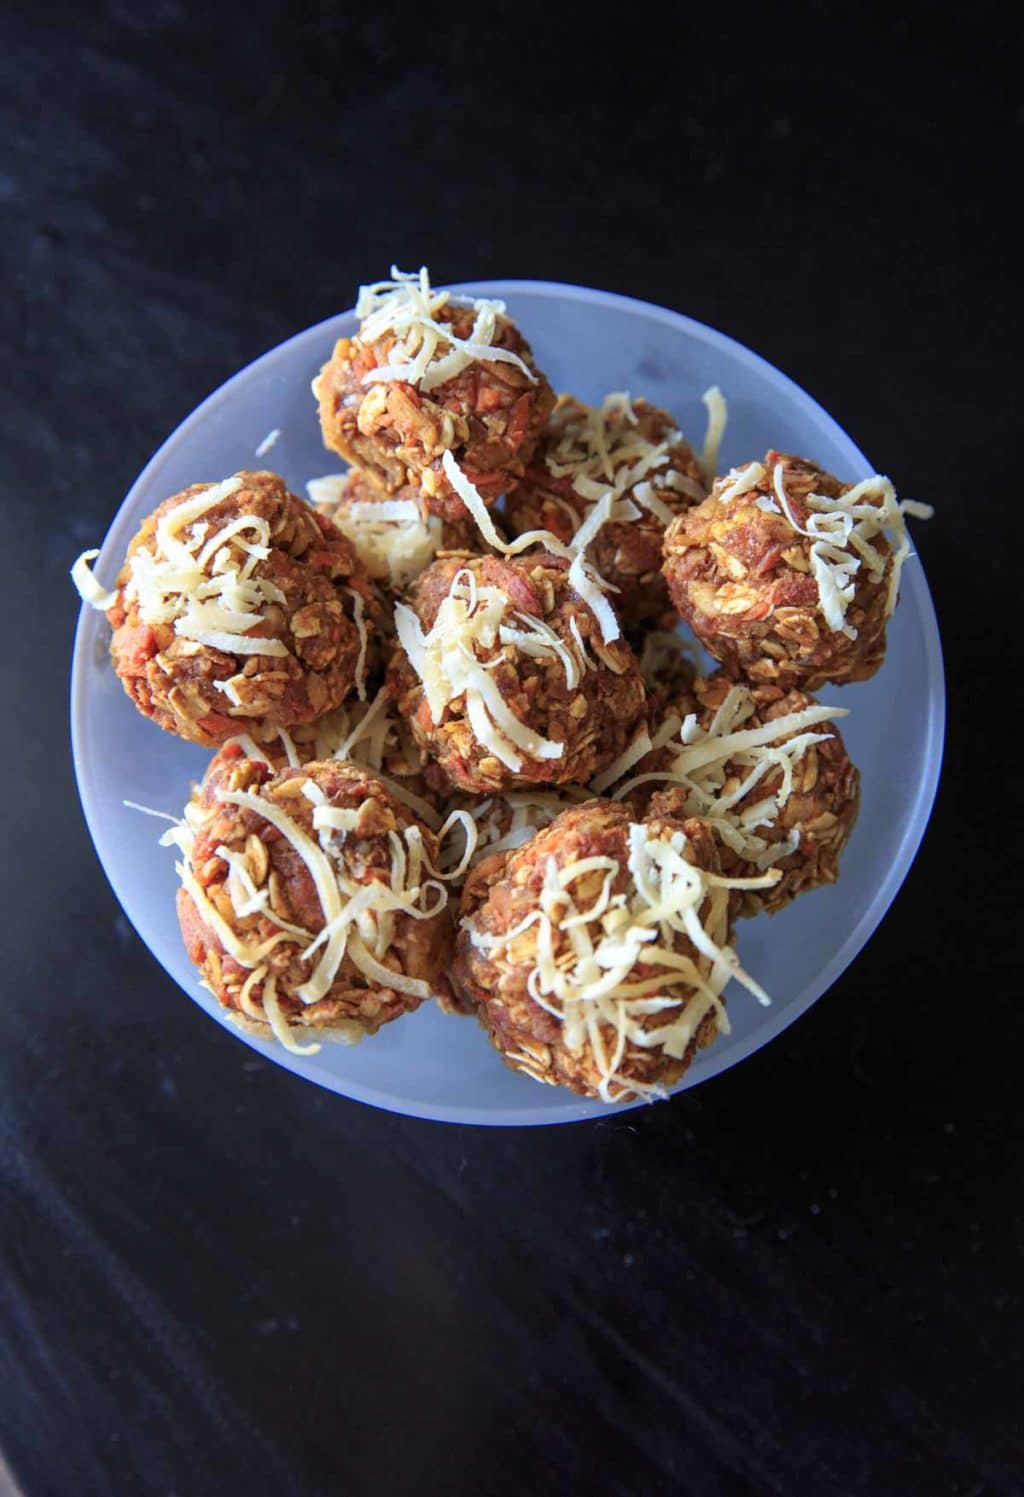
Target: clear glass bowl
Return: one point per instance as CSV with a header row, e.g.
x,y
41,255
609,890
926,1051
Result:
x,y
430,1065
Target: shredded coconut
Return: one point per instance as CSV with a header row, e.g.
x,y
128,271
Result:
x,y
606,953
474,617
841,532
426,352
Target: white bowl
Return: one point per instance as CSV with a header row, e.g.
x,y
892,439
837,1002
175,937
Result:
x,y
589,342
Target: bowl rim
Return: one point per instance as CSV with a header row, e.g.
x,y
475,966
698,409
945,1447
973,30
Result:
x,y
712,1062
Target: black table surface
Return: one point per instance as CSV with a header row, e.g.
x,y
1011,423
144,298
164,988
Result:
x,y
803,1277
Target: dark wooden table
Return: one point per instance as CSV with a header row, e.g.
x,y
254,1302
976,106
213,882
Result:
x,y
802,1278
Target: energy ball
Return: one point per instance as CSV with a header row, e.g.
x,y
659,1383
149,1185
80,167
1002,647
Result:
x,y
505,679
430,374
788,576
501,822
507,819
394,536
768,771
577,951
637,451
368,734
239,609
307,900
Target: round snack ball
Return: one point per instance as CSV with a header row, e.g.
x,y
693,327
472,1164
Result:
x,y
270,853
747,581
394,535
211,572
515,945
634,448
487,416
816,795
503,675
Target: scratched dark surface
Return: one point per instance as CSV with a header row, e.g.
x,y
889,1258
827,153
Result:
x,y
803,1278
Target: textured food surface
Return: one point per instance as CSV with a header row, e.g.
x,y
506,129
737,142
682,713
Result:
x,y
500,903
589,710
741,577
395,536
634,448
489,416
209,691
812,803
372,854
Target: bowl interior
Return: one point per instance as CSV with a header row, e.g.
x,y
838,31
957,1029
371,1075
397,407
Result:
x,y
430,1065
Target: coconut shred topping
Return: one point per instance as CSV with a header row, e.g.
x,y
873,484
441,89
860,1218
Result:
x,y
587,940
205,584
426,352
603,449
720,766
365,734
842,532
615,471
359,917
718,415
202,583
588,583
526,813
393,540
476,616
507,820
